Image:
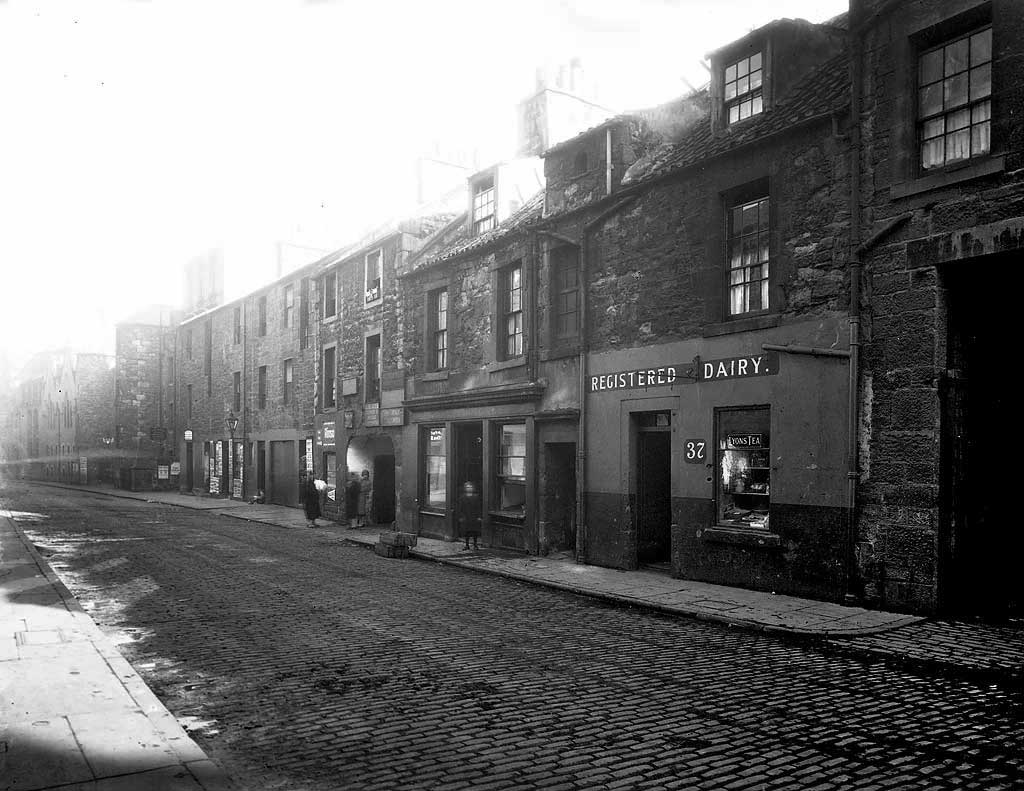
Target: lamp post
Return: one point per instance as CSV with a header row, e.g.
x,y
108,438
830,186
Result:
x,y
107,464
232,423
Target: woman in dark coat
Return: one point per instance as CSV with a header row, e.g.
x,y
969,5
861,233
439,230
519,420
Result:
x,y
310,499
352,492
469,514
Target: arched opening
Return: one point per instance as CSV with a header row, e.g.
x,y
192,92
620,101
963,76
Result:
x,y
374,455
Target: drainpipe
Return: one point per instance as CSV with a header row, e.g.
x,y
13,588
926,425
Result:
x,y
581,439
608,161
853,587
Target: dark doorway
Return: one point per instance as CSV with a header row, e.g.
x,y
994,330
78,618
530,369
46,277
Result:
x,y
284,476
469,455
190,471
653,490
383,508
261,467
559,497
980,540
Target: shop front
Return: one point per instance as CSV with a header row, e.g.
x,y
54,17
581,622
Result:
x,y
476,464
722,459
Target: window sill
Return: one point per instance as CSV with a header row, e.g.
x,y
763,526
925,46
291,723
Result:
x,y
434,376
741,536
513,516
745,324
375,303
433,512
949,177
503,365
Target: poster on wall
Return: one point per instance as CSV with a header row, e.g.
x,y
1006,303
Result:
x,y
214,484
163,472
309,455
218,455
175,468
236,488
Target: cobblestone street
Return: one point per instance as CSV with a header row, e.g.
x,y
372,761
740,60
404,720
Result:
x,y
298,661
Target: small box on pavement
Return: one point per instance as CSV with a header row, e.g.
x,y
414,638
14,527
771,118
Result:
x,y
391,550
396,539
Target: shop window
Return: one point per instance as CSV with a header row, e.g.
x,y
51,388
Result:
x,y
261,387
373,369
954,100
329,373
510,467
511,283
565,292
289,306
483,206
435,468
743,91
744,467
437,329
749,236
330,283
288,389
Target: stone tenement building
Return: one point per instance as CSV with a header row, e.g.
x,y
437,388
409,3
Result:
x,y
61,422
740,337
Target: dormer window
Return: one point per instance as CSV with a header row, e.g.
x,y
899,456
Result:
x,y
743,95
483,206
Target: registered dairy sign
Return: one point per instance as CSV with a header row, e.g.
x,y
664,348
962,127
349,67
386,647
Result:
x,y
764,364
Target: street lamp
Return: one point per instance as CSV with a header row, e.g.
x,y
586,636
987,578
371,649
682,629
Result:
x,y
232,423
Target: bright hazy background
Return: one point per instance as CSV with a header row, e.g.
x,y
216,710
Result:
x,y
136,135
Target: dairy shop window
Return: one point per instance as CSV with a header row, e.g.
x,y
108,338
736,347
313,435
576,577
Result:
x,y
510,491
744,467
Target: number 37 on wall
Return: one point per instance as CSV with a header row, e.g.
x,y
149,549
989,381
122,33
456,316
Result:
x,y
695,451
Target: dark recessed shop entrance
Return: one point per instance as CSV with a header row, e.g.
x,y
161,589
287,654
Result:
x,y
653,488
982,461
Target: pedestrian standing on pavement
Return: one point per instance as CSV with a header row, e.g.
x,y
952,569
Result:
x,y
469,514
310,499
365,496
352,499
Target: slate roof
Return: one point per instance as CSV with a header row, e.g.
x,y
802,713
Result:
x,y
464,243
824,90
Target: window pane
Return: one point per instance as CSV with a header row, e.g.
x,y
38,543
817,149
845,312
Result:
x,y
955,90
930,100
736,300
958,120
934,127
762,214
981,112
933,153
981,82
755,61
930,67
981,47
742,85
734,114
981,139
755,79
730,90
958,145
743,67
749,219
730,73
956,57
756,105
736,259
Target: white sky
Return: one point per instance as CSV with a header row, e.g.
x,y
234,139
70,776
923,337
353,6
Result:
x,y
139,134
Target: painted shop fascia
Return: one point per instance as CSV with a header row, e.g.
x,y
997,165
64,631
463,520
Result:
x,y
781,527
